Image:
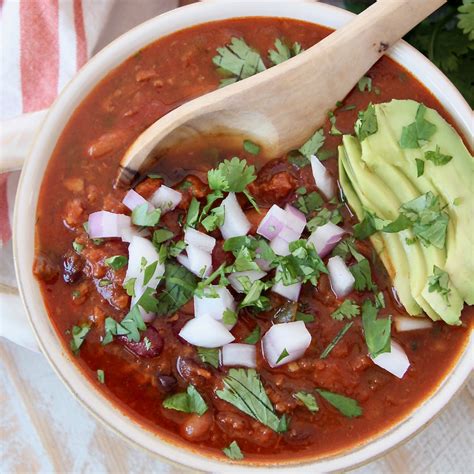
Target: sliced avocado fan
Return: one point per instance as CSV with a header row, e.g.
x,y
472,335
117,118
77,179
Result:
x,y
379,173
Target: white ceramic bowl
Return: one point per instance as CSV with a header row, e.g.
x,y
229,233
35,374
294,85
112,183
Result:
x,y
26,203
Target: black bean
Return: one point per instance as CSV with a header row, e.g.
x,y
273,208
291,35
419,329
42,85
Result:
x,y
166,382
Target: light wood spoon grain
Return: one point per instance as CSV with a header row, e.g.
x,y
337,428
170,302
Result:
x,y
281,107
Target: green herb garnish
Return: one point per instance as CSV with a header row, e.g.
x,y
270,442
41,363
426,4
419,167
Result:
x,y
190,401
254,336
116,262
438,158
78,334
315,142
439,282
143,218
418,132
209,356
333,343
376,331
308,400
251,147
345,405
366,124
101,376
233,451
348,310
283,52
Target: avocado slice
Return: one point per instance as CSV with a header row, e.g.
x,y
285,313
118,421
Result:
x,y
453,182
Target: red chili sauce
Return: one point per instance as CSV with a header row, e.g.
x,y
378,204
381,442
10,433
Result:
x,y
79,180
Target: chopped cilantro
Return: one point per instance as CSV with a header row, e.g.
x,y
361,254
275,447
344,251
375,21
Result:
x,y
101,376
439,282
323,217
160,236
376,331
419,131
244,390
283,52
215,219
366,124
345,248
315,142
284,353
143,218
379,300
147,343
309,203
129,286
185,185
438,158
116,262
254,295
78,248
190,401
231,175
363,276
420,167
254,336
334,130
251,147
306,318
333,343
229,317
78,334
209,356
154,176
365,84
104,282
308,400
347,310
345,405
233,451
297,159
192,217
238,60
149,272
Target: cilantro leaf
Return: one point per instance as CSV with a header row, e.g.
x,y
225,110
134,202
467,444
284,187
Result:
x,y
420,167
345,405
244,390
347,310
308,400
192,217
418,131
363,276
376,331
78,335
439,282
466,18
190,401
333,343
437,157
160,236
315,142
78,248
323,217
116,262
251,147
238,60
233,451
143,218
215,219
101,376
284,353
231,175
209,356
345,248
366,124
365,83
297,159
254,336
180,284
306,318
229,317
309,203
283,52
253,296
332,120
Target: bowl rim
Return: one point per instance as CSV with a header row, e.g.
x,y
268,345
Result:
x,y
24,235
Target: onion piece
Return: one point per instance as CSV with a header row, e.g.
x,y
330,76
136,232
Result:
x,y
396,361
141,251
184,260
214,307
200,261
290,292
128,233
323,178
206,332
132,200
407,323
325,238
292,338
139,290
273,223
199,239
280,246
341,278
104,224
166,198
252,275
235,221
235,354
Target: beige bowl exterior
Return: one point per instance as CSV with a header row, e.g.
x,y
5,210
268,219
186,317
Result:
x,y
24,233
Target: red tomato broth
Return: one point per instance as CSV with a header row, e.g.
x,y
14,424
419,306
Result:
x,y
157,79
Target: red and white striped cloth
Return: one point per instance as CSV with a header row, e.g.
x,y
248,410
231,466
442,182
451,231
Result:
x,y
43,44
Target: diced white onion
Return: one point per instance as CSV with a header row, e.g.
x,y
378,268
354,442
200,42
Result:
x,y
235,221
166,198
323,178
200,261
184,260
128,233
295,219
199,239
325,238
290,292
104,224
141,251
287,223
293,338
396,361
252,275
214,307
243,355
132,200
342,280
206,332
273,223
280,246
407,323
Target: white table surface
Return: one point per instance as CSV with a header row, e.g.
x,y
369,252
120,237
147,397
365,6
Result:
x,y
44,429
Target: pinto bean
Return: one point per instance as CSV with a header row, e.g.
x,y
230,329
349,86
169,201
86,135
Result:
x,y
196,428
150,345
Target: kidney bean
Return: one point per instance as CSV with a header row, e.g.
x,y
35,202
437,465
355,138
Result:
x,y
166,383
150,345
197,427
72,267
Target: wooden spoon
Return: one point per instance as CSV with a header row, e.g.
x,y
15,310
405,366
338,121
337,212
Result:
x,y
281,107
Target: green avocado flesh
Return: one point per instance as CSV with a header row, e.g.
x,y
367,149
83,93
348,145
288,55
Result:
x,y
378,176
